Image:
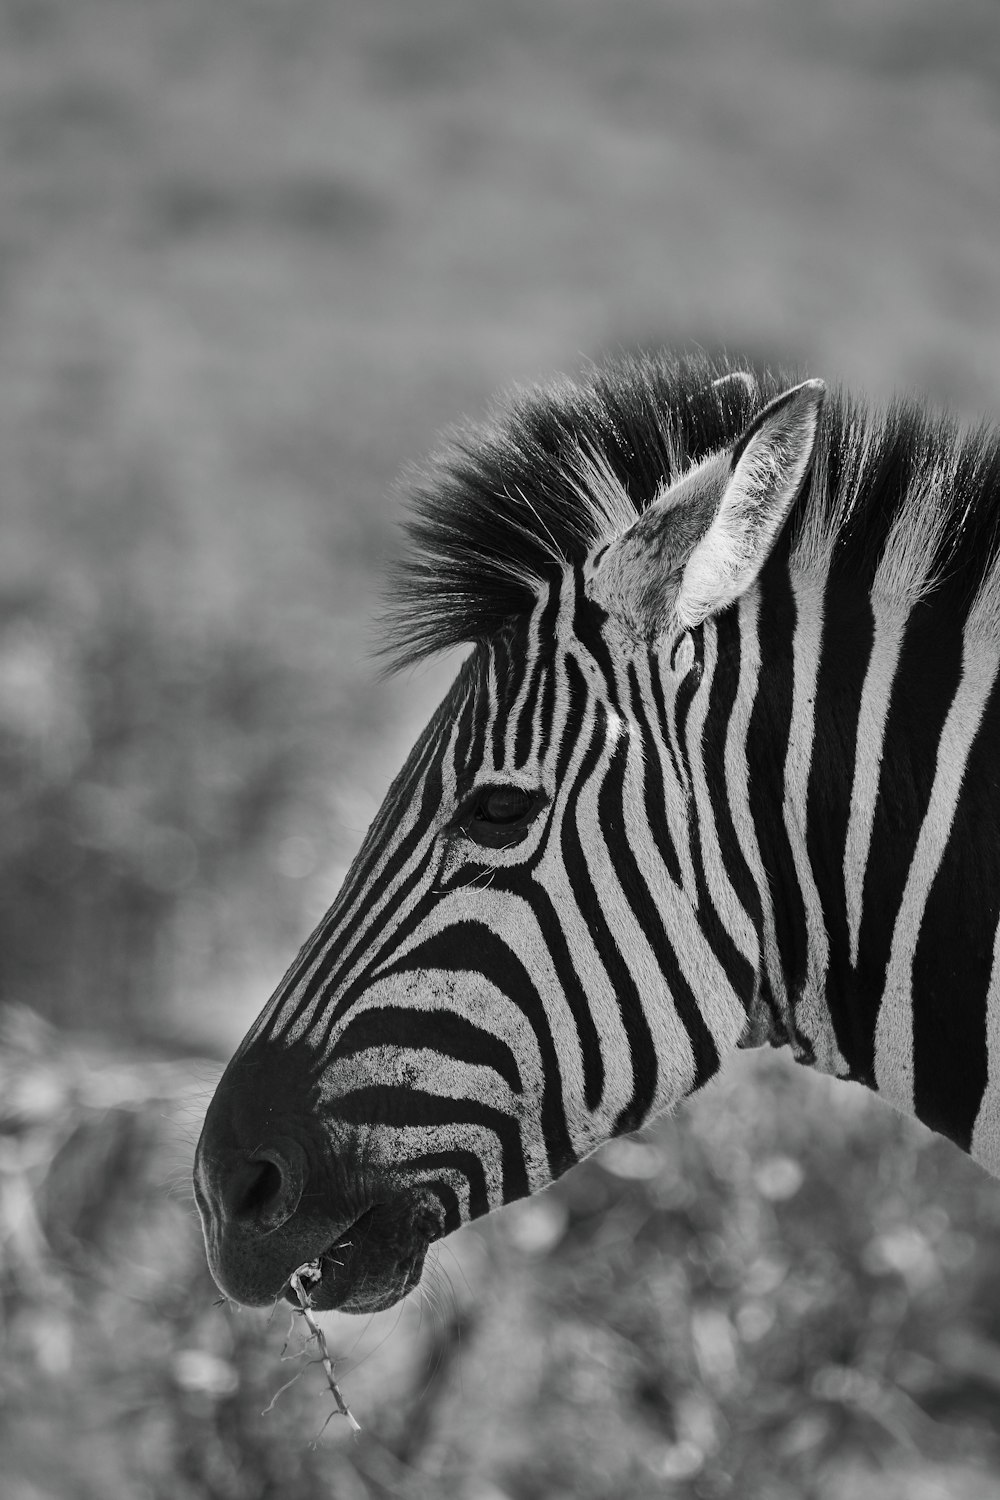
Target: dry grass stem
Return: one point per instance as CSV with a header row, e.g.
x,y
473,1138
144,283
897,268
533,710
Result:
x,y
300,1281
281,1391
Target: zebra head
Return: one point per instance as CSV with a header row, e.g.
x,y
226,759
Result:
x,y
532,951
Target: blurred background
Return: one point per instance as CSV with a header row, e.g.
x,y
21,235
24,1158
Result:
x,y
253,256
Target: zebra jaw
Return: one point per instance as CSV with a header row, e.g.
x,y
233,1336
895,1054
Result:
x,y
363,1267
373,1264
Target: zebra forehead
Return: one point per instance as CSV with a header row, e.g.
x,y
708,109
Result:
x,y
557,470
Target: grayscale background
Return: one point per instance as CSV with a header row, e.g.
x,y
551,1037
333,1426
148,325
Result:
x,y
254,254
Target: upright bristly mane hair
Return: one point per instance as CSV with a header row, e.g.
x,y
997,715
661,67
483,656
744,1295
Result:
x,y
898,499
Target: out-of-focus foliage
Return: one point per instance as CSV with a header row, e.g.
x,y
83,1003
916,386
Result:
x,y
785,1292
252,256
139,769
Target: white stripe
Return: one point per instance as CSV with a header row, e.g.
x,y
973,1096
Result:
x,y
594,981
675,1059
599,997
527,671
545,670
738,785
703,972
985,1147
476,999
564,640
812,1017
493,699
392,1146
675,792
513,922
286,997
735,918
424,1069
345,971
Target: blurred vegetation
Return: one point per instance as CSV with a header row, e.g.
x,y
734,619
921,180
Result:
x,y
787,1291
252,257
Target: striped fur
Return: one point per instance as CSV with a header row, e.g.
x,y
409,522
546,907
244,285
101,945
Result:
x,y
777,825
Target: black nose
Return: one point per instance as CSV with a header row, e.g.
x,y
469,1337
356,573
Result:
x,y
266,1190
261,1173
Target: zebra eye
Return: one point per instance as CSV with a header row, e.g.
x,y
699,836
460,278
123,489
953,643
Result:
x,y
501,815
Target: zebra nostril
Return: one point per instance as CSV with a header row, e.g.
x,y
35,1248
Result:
x,y
263,1190
267,1191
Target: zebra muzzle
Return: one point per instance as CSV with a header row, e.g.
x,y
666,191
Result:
x,y
376,1261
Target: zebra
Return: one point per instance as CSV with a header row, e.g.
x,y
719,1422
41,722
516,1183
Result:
x,y
719,770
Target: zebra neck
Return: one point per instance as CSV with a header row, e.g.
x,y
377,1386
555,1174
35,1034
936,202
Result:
x,y
883,864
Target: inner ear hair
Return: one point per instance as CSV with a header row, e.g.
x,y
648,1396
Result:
x,y
705,538
639,575
769,466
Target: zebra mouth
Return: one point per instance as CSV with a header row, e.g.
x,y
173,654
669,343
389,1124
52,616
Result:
x,y
374,1263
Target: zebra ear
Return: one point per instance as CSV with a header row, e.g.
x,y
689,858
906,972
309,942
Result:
x,y
768,466
704,539
736,383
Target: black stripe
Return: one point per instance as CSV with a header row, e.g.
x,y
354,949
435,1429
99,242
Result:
x,y
661,730
523,731
848,637
587,622
389,1104
684,697
576,995
770,727
471,946
611,802
725,688
387,938
954,954
438,1030
928,674
341,952
471,1168
588,899
577,707
386,930
541,672
548,714
653,790
373,844
450,1205
738,969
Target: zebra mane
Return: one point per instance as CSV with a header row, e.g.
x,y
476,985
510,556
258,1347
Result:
x,y
900,500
